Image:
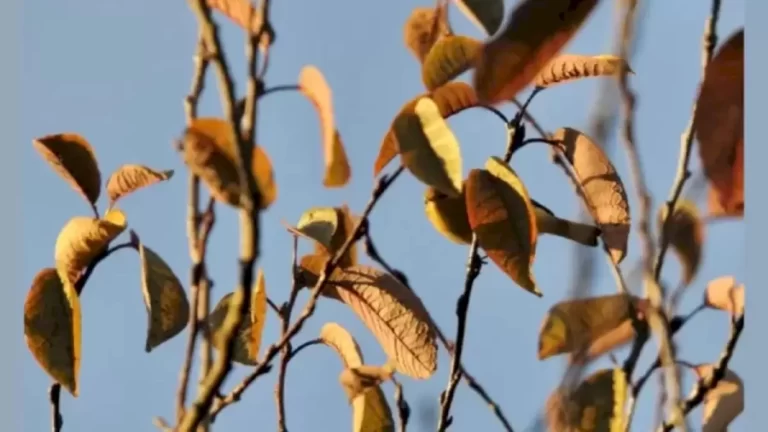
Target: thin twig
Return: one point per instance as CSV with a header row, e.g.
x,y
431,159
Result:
x,y
57,421
279,88
285,353
80,284
403,409
303,346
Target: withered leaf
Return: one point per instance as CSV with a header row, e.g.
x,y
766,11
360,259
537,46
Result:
x,y
318,224
73,158
338,338
685,232
597,404
569,67
418,34
449,57
725,294
723,403
548,223
485,14
131,177
246,16
360,379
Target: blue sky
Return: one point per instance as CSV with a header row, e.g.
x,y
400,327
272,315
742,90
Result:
x,y
117,73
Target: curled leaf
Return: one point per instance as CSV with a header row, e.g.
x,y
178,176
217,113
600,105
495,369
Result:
x,y
129,178
726,295
569,67
420,33
452,98
360,379
346,226
724,402
52,328
597,404
548,223
685,232
318,224
502,217
533,34
338,338
73,158
448,215
82,239
449,57
313,85
428,148
485,14
600,187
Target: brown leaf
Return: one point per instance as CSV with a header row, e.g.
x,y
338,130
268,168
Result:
x,y
318,224
246,16
449,57
72,157
726,295
723,403
502,217
485,14
360,379
569,67
533,34
686,236
452,98
418,34
548,223
346,225
719,126
130,177
600,186
597,404
52,328
448,215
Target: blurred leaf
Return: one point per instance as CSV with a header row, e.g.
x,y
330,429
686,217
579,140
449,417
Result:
x,y
418,34
82,239
428,147
686,236
485,14
360,379
449,57
569,67
719,127
52,326
130,177
724,294
548,223
318,224
338,338
72,157
209,151
597,404
501,215
448,215
452,98
600,187
164,297
533,34
246,16
723,403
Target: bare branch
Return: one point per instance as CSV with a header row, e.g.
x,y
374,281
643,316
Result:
x,y
285,353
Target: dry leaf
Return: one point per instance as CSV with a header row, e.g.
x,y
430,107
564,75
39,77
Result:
x,y
248,337
428,148
360,379
502,217
485,14
597,404
346,226
318,224
569,67
450,57
338,338
129,178
52,328
452,98
72,157
82,239
685,232
394,314
590,326
418,34
723,403
600,188
246,16
164,297
209,151
534,33
719,125
724,294
548,223
448,215
313,85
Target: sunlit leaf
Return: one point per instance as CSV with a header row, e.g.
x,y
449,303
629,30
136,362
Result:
x,y
313,85
72,157
548,223
338,338
448,215
209,151
418,34
719,127
318,224
533,34
685,232
485,14
164,297
723,403
248,337
82,239
725,294
452,98
449,57
600,187
360,379
597,404
502,217
346,225
428,148
130,177
52,328
246,16
569,67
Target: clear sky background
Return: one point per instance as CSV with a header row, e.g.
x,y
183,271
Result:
x,y
117,73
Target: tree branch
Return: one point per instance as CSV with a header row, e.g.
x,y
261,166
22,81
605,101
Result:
x,y
403,409
57,421
285,352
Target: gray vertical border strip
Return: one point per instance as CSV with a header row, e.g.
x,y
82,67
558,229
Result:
x,y
753,345
11,384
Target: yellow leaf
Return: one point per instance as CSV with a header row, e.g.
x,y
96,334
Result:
x,y
318,224
52,328
485,14
448,215
246,16
164,298
129,178
360,379
533,34
313,85
719,126
502,217
450,57
597,404
346,225
248,338
452,98
569,67
723,403
82,239
338,338
418,34
428,147
72,157
685,233
726,295
209,151
600,187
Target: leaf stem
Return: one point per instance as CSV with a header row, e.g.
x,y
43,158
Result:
x,y
80,284
280,88
54,394
403,409
303,346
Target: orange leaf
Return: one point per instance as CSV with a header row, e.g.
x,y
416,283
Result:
x,y
724,294
419,32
